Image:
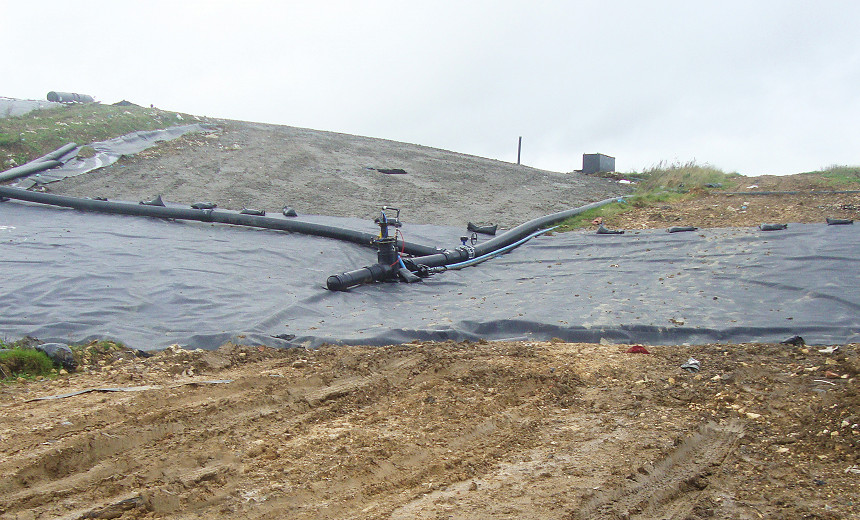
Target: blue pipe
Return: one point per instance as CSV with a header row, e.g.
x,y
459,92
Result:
x,y
493,254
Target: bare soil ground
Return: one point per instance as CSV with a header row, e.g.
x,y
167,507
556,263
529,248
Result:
x,y
749,207
440,430
267,167
433,430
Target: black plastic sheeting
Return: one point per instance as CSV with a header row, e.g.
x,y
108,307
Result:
x,y
108,152
71,276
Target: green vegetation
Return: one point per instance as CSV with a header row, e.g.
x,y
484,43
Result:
x,y
20,360
684,177
23,362
32,135
9,139
585,218
841,176
617,208
659,184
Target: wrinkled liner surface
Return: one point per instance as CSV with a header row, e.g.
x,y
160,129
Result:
x,y
107,153
72,276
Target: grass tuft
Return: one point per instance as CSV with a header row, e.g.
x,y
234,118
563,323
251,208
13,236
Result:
x,y
86,152
643,200
26,363
684,176
583,220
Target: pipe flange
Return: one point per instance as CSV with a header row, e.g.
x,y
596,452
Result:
x,y
469,250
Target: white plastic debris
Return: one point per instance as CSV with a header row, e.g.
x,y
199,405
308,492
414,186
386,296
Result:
x,y
692,365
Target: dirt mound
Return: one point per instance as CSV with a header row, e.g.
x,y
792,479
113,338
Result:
x,y
267,167
720,210
440,430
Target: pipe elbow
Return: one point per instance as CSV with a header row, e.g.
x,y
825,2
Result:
x,y
373,273
336,283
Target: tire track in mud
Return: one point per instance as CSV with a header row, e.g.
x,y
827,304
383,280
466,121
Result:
x,y
257,421
417,431
112,447
99,463
671,488
401,451
93,457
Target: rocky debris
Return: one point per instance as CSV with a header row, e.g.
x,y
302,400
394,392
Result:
x,y
60,353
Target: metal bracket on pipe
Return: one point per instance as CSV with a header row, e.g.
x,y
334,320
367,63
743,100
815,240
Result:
x,y
470,251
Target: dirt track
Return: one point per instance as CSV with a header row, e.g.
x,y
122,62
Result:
x,y
484,430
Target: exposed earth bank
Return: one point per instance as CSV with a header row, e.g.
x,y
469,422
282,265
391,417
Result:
x,y
801,198
439,430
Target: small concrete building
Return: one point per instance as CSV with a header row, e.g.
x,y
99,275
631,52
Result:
x,y
597,162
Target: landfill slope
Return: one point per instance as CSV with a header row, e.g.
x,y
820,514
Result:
x,y
268,166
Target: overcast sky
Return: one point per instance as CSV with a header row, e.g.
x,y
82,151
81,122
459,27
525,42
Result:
x,y
753,86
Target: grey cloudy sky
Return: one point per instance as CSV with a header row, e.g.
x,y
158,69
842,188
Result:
x,y
757,87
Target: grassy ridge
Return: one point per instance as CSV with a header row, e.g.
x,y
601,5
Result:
x,y
672,182
841,176
685,176
659,184
36,133
19,360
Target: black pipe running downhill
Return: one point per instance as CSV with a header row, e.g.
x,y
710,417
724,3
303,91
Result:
x,y
28,169
208,215
380,271
46,162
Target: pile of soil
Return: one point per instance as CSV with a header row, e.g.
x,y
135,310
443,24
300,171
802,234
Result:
x,y
268,167
802,199
440,430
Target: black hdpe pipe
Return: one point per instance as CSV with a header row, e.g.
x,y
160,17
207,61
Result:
x,y
208,215
379,272
422,255
28,169
46,162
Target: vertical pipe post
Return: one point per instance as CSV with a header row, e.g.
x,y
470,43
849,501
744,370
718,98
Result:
x,y
519,149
